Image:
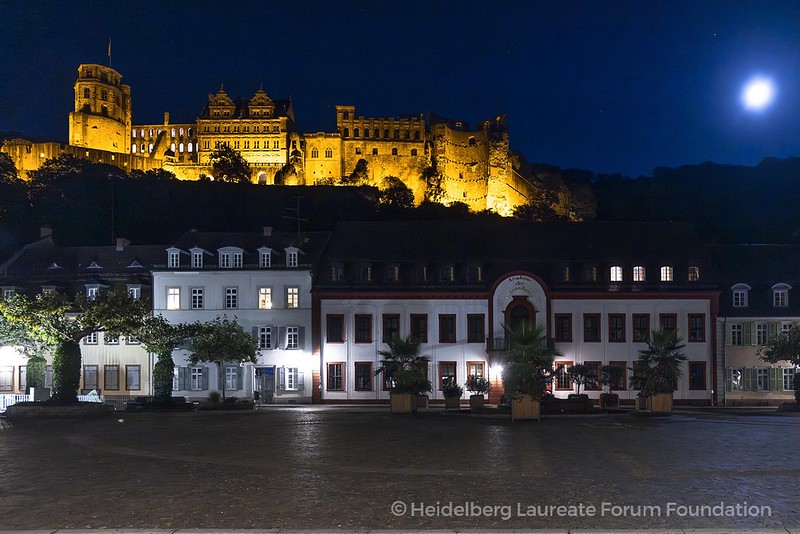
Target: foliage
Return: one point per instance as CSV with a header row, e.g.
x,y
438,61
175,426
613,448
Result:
x,y
659,365
221,341
396,194
8,171
608,400
214,397
228,165
610,376
18,334
451,388
434,191
161,337
153,174
784,347
581,375
797,387
360,174
403,366
478,385
66,371
530,365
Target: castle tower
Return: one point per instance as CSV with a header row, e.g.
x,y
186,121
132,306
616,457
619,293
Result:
x,y
102,116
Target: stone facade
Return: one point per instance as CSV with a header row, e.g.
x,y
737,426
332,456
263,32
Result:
x,y
473,167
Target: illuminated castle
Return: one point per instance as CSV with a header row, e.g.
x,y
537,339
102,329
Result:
x,y
437,159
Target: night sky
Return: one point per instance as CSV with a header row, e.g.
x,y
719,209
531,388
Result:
x,y
609,86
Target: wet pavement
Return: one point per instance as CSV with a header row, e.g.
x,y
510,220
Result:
x,y
321,467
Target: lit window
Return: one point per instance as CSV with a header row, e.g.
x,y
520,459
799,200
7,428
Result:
x,y
292,338
135,292
173,298
92,292
290,382
292,297
638,274
694,273
616,273
666,273
264,298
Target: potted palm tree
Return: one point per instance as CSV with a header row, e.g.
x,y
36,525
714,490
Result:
x,y
658,369
452,394
478,386
529,369
610,376
404,369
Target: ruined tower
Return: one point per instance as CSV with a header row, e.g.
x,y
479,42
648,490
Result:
x,y
102,116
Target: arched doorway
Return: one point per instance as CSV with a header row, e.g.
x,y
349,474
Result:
x,y
519,310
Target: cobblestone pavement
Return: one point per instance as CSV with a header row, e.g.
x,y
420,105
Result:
x,y
362,468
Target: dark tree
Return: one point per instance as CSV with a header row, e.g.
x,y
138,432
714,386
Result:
x,y
228,165
360,174
8,171
395,194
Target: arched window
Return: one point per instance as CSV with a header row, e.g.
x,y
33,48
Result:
x,y
397,134
314,153
638,274
366,133
374,151
386,133
151,131
173,132
87,93
133,149
346,115
416,135
134,134
329,152
615,274
189,147
394,152
472,141
180,147
377,133
346,132
413,151
407,135
142,148
172,147
666,273
151,147
355,132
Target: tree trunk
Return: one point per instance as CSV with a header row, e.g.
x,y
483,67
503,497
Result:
x,y
67,371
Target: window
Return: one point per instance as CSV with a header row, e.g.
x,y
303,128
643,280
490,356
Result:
x,y
697,327
334,328
697,375
641,328
788,378
615,274
264,298
174,260
616,327
623,380
264,337
394,152
23,378
7,378
668,322
475,273
8,293
563,377
237,260
638,274
197,381
292,337
92,292
475,369
419,327
111,339
447,274
329,152
132,339
762,378
197,298
666,274
780,295
173,298
694,273
591,327
475,328
736,334
593,383
413,151
374,151
363,376
335,377
231,298
762,335
292,297
563,327
291,379
447,373
89,377
393,273
265,259
391,326
447,328
133,375
90,339
291,258
363,328
736,382
87,94
337,273
365,273
225,260
740,294
231,378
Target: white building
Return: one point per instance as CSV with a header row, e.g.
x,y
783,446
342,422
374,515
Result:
x,y
264,282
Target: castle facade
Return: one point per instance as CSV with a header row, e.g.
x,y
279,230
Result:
x,y
437,159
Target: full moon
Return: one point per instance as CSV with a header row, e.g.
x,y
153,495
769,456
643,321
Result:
x,y
758,94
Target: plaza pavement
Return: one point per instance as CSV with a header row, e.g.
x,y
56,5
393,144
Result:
x,y
280,469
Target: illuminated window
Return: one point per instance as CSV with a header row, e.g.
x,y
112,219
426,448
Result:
x,y
694,273
173,298
666,273
173,132
638,274
134,134
151,147
92,292
180,147
264,298
616,273
135,292
290,380
133,149
292,297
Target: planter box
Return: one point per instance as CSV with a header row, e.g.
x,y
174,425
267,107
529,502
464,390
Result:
x,y
401,402
422,402
452,403
525,408
660,403
476,402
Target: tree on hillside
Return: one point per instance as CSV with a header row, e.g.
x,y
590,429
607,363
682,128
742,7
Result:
x,y
228,165
434,192
396,194
8,171
64,320
221,341
360,174
153,174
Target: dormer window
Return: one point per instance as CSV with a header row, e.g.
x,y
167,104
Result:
x,y
740,295
447,273
475,273
694,273
173,258
225,260
365,273
238,260
135,291
337,272
639,273
393,273
92,292
8,292
264,258
565,274
615,273
292,257
93,265
667,274
197,259
780,295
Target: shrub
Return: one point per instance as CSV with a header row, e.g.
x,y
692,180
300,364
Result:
x,y
214,397
478,385
452,389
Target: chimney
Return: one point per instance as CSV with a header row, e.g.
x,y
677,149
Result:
x,y
166,118
45,231
122,243
267,231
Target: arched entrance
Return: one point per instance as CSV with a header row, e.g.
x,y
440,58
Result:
x,y
519,310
